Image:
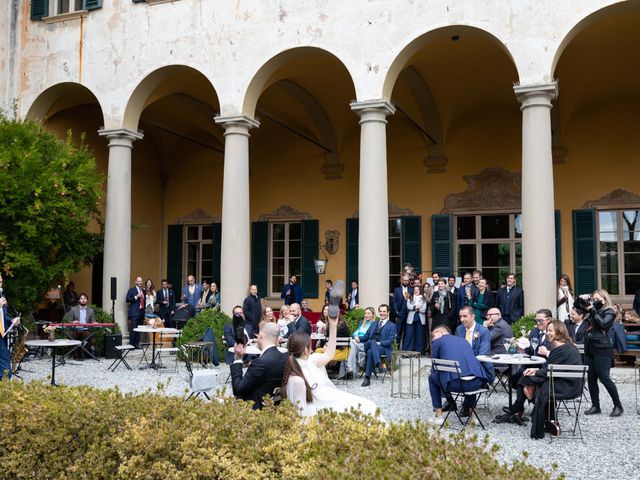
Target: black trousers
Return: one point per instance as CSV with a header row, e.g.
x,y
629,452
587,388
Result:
x,y
599,367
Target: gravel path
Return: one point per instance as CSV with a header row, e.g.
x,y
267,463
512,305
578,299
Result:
x,y
610,448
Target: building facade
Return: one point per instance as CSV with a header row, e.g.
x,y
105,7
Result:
x,y
242,140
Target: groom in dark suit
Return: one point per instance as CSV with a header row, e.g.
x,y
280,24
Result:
x,y
264,373
167,303
510,300
378,339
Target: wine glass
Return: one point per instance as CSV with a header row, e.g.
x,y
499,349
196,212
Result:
x,y
523,330
507,344
534,344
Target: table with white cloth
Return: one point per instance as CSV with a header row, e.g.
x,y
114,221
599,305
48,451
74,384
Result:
x,y
58,343
512,360
254,350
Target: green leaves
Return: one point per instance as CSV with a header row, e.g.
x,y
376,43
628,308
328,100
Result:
x,y
49,192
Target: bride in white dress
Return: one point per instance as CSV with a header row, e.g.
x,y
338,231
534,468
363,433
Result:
x,y
306,384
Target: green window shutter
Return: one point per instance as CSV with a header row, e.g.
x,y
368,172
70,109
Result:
x,y
352,250
91,4
174,257
584,251
39,9
216,241
412,242
442,243
558,245
310,245
260,256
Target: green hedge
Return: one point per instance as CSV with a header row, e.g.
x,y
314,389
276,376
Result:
x,y
85,433
353,318
196,327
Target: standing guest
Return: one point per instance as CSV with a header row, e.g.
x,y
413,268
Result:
x,y
636,302
166,303
598,351
477,336
378,339
149,298
451,286
510,300
476,275
212,299
565,298
202,303
481,300
298,322
136,300
252,308
465,293
192,293
576,326
81,313
499,330
435,276
328,285
292,292
265,372
400,296
284,320
415,329
304,306
352,298
356,353
448,347
70,297
443,307
5,323
630,316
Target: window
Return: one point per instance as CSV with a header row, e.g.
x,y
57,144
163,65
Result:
x,y
59,7
285,251
198,252
51,11
619,251
491,243
395,252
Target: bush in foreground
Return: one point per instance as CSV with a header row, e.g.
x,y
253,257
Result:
x,y
85,433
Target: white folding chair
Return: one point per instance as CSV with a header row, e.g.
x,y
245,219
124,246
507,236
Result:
x,y
164,336
452,366
559,372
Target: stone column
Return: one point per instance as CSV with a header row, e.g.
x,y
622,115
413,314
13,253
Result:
x,y
117,226
538,224
235,267
373,235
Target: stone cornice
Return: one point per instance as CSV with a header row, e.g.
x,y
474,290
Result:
x,y
373,105
237,120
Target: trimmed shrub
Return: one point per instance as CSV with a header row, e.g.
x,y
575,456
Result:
x,y
528,321
102,317
353,318
196,327
86,433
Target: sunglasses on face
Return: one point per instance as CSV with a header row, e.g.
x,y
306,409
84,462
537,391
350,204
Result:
x,y
538,321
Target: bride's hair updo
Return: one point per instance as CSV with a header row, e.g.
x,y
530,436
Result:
x,y
296,345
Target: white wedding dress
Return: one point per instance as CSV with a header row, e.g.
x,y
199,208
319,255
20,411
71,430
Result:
x,y
325,394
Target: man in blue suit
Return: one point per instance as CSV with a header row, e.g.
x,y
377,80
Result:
x,y
166,302
478,336
510,300
192,293
292,292
378,339
466,292
448,347
135,299
399,304
5,323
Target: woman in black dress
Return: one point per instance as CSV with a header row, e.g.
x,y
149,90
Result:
x,y
443,307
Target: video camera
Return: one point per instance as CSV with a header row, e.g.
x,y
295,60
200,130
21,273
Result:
x,y
582,305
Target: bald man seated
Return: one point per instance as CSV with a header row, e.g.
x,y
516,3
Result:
x,y
264,373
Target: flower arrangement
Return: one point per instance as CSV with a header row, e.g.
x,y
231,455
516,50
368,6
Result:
x,y
51,331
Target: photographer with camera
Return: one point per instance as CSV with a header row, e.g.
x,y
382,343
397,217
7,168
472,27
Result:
x,y
598,351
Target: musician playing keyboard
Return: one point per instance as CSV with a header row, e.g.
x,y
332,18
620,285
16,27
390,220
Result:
x,y
81,314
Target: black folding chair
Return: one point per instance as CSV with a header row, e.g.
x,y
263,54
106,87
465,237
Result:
x,y
122,358
570,403
452,366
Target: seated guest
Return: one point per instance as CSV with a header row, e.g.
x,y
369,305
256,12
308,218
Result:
x,y
499,330
229,334
448,347
356,347
267,317
323,321
304,306
81,314
342,352
305,382
534,383
477,336
298,322
284,320
576,326
264,373
378,339
538,341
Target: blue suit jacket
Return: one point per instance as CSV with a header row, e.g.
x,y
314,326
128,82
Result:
x,y
230,340
297,293
171,306
399,303
450,347
134,304
511,304
193,299
302,324
480,346
387,334
461,301
7,324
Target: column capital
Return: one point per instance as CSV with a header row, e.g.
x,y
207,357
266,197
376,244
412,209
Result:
x,y
539,94
120,136
373,106
233,122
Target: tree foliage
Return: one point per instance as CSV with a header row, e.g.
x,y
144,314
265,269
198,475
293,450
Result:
x,y
49,193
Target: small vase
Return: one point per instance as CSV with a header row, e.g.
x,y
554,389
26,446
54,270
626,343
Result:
x,y
52,337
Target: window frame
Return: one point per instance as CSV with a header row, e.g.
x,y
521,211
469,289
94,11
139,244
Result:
x,y
394,277
286,258
200,241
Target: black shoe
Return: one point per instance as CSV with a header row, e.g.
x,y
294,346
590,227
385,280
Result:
x,y
349,376
464,411
507,410
382,371
593,410
449,407
366,382
617,411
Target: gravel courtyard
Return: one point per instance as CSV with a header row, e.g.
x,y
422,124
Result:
x,y
610,448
